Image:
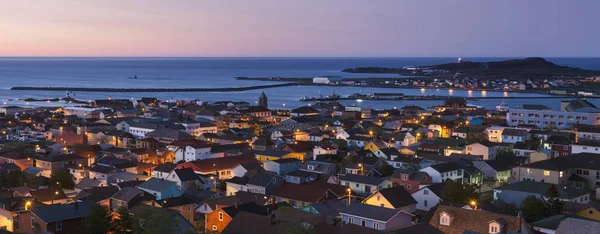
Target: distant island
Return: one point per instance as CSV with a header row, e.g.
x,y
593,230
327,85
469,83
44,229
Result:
x,y
518,69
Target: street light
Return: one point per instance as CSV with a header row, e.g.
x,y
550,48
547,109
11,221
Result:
x,y
361,168
349,196
474,204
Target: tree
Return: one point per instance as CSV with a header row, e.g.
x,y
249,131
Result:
x,y
341,144
507,208
63,179
153,220
532,209
553,203
386,170
459,193
98,221
124,222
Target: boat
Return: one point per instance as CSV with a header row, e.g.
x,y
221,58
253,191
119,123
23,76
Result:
x,y
133,78
502,107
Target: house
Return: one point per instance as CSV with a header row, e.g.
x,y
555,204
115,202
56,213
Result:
x,y
428,196
375,217
282,166
575,225
65,218
409,179
495,170
458,220
167,135
196,150
304,111
577,170
330,208
445,171
61,161
160,188
243,168
309,194
183,205
588,132
49,196
218,220
487,149
387,153
393,198
163,170
184,178
518,191
128,197
221,166
364,185
271,155
319,167
254,182
211,204
494,133
514,135
560,144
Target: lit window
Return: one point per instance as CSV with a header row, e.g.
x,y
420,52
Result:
x,y
220,216
529,171
214,227
546,173
560,174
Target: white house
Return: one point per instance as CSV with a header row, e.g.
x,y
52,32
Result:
x,y
513,135
428,196
197,128
193,152
585,147
441,172
327,79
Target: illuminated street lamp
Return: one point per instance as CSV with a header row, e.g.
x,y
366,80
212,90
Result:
x,y
349,196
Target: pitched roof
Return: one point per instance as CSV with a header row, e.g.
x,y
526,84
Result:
x,y
579,226
446,167
370,212
542,188
96,194
397,196
471,220
362,179
436,188
62,212
582,160
48,194
310,193
514,132
219,164
186,174
127,193
155,184
165,167
169,133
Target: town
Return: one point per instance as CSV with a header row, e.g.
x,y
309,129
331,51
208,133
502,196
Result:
x,y
157,166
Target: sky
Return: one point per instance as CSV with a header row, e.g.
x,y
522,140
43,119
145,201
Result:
x,y
300,28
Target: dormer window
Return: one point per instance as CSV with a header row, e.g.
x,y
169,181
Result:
x,y
311,167
445,219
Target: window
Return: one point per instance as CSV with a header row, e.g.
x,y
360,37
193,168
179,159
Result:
x,y
425,192
586,172
408,186
363,223
560,174
425,203
32,223
590,212
546,173
529,171
350,220
220,216
378,198
214,227
404,177
375,226
445,219
493,229
58,225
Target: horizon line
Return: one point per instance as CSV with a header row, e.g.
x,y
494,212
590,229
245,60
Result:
x,y
333,57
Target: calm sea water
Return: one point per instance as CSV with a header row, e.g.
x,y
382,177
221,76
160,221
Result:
x,y
220,72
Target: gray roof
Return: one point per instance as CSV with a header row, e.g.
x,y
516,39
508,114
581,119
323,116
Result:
x,y
582,160
127,193
446,167
362,179
62,212
186,174
541,188
86,183
155,184
169,133
579,226
370,212
125,176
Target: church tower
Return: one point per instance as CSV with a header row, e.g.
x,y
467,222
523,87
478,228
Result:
x,y
262,100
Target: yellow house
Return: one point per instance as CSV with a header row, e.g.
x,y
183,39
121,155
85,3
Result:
x,y
591,212
394,198
375,145
271,155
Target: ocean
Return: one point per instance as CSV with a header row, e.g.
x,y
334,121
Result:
x,y
220,72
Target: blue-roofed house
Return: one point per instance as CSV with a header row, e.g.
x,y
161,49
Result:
x,y
161,189
64,218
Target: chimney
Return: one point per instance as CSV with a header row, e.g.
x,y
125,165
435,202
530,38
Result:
x,y
76,205
236,205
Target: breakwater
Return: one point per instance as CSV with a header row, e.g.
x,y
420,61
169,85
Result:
x,y
132,90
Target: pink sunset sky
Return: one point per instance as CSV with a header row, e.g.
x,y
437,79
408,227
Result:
x,y
338,28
